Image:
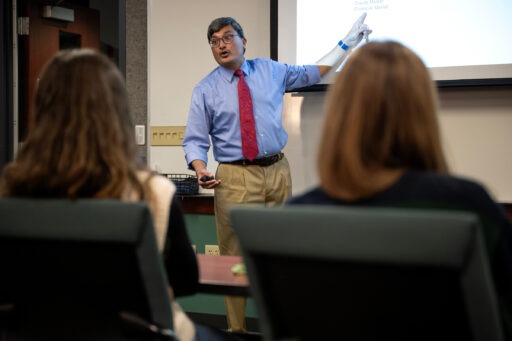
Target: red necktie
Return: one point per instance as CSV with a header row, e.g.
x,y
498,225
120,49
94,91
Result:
x,y
247,125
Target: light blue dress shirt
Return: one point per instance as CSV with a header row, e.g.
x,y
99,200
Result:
x,y
214,109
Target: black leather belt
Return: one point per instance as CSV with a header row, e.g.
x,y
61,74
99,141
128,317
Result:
x,y
263,162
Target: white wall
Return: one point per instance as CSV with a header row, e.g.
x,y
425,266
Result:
x,y
477,131
476,128
179,57
476,123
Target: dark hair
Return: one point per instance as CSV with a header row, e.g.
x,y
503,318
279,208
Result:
x,y
217,24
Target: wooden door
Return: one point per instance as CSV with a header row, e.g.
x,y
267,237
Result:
x,y
46,37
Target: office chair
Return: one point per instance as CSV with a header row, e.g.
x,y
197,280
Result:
x,y
81,270
337,273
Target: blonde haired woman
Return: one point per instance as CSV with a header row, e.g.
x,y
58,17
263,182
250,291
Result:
x,y
381,146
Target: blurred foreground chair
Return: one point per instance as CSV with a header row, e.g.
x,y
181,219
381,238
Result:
x,y
81,270
334,273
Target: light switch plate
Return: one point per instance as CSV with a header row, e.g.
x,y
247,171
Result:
x,y
140,134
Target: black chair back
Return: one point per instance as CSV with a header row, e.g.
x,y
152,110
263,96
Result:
x,y
325,273
80,270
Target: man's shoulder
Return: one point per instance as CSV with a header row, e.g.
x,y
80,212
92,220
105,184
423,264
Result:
x,y
208,82
262,63
211,77
265,66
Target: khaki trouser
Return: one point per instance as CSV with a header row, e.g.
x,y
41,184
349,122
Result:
x,y
270,185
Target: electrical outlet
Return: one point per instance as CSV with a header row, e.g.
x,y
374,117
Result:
x,y
211,250
167,135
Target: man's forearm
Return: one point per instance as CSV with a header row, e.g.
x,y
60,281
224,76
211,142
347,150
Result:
x,y
198,165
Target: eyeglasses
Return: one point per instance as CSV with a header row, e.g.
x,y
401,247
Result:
x,y
227,39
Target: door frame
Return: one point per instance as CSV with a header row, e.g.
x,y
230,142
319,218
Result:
x,y
9,74
7,98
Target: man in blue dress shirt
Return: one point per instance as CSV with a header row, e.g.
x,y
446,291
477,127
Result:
x,y
214,114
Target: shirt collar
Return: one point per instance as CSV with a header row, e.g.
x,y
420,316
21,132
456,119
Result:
x,y
229,75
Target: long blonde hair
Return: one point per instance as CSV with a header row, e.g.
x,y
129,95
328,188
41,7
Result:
x,y
381,119
80,141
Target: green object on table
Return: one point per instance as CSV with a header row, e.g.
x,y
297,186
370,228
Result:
x,y
239,269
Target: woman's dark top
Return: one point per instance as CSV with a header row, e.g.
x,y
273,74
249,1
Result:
x,y
435,191
179,257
